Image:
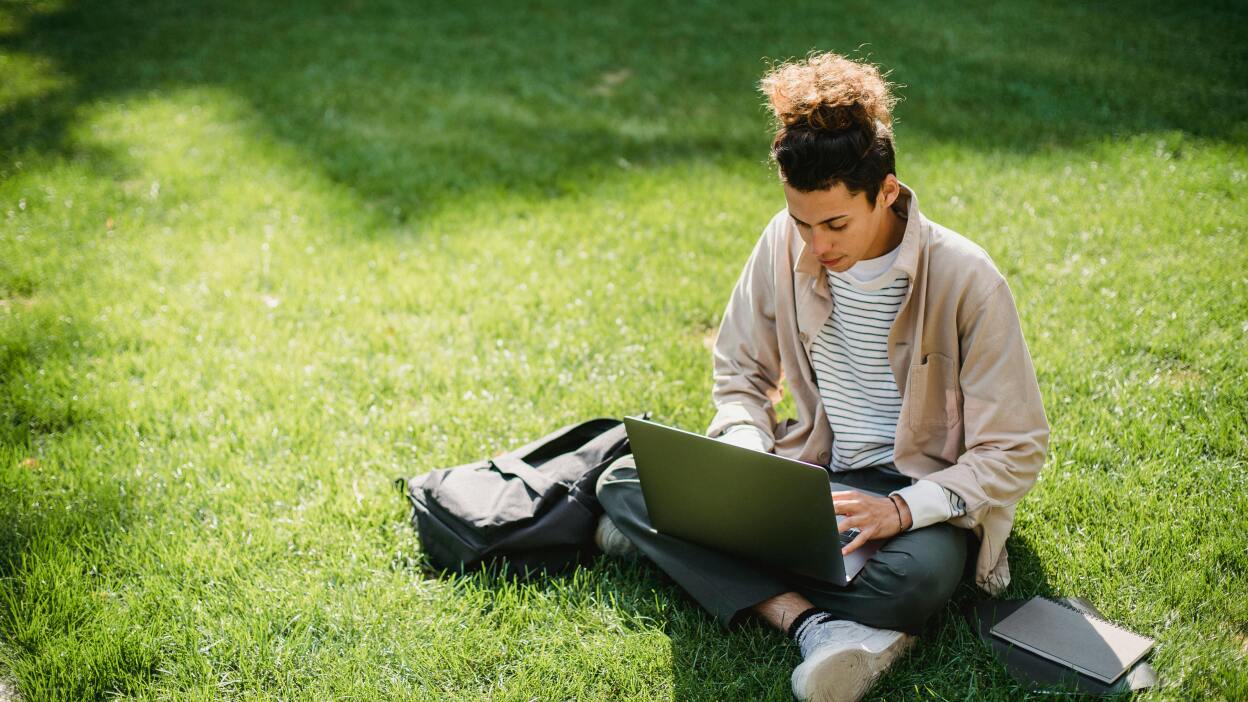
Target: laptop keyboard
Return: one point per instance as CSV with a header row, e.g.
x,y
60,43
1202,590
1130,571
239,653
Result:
x,y
848,536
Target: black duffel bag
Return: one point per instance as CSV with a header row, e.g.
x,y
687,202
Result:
x,y
532,509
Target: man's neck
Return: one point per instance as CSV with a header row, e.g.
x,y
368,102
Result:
x,y
892,239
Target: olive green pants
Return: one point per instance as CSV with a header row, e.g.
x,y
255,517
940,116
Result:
x,y
906,582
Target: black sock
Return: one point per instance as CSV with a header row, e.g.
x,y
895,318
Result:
x,y
819,615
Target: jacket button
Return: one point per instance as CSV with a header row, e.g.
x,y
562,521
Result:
x,y
823,456
803,337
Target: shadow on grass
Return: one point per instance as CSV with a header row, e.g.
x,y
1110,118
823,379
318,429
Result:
x,y
752,661
420,107
58,517
707,662
1027,573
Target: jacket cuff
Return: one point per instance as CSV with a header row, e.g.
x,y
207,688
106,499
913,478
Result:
x,y
731,414
927,502
745,436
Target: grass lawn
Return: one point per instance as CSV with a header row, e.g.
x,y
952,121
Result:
x,y
256,262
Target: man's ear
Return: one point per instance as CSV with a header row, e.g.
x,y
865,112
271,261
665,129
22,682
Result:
x,y
890,190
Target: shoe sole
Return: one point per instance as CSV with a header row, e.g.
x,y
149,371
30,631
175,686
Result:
x,y
845,675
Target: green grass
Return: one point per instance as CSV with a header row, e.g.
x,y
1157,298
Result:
x,y
257,262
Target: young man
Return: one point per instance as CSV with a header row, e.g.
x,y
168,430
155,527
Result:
x,y
902,347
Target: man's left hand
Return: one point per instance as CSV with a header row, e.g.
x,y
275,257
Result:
x,y
874,517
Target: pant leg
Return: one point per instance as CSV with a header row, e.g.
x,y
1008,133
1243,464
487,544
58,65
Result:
x,y
906,582
725,586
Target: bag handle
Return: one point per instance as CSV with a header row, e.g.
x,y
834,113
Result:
x,y
511,465
556,438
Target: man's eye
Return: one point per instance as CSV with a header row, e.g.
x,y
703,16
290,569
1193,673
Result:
x,y
837,229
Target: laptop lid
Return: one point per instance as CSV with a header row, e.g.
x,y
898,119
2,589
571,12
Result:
x,y
749,503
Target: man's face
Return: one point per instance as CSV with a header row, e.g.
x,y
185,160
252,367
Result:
x,y
843,229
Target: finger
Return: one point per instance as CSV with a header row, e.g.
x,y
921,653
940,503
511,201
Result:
x,y
847,495
850,503
862,538
846,524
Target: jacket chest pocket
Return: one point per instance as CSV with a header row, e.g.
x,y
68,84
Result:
x,y
932,393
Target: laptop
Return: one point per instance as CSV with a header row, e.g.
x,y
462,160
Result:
x,y
749,503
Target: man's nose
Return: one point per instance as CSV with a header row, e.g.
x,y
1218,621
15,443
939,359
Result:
x,y
821,243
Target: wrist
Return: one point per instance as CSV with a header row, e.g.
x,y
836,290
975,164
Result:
x,y
903,512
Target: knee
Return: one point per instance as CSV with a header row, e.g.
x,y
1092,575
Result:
x,y
621,469
926,583
922,592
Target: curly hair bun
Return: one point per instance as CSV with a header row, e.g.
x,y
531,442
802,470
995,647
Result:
x,y
829,92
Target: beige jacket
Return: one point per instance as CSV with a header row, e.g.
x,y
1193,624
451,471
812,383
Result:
x,y
971,415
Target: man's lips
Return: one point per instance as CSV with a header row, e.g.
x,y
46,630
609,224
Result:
x,y
831,261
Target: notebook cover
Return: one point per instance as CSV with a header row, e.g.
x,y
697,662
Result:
x,y
1041,673
1087,643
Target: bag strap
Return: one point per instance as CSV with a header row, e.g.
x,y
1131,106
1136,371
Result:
x,y
511,465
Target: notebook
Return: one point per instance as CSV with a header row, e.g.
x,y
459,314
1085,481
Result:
x,y
1061,633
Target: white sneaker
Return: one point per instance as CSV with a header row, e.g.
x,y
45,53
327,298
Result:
x,y
612,541
844,659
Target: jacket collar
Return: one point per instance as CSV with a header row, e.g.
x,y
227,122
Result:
x,y
912,243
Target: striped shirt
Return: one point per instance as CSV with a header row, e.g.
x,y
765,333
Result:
x,y
850,358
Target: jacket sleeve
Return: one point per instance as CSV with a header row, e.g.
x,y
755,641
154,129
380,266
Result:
x,y
746,356
1005,427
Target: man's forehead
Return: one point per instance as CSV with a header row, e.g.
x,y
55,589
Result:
x,y
820,205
